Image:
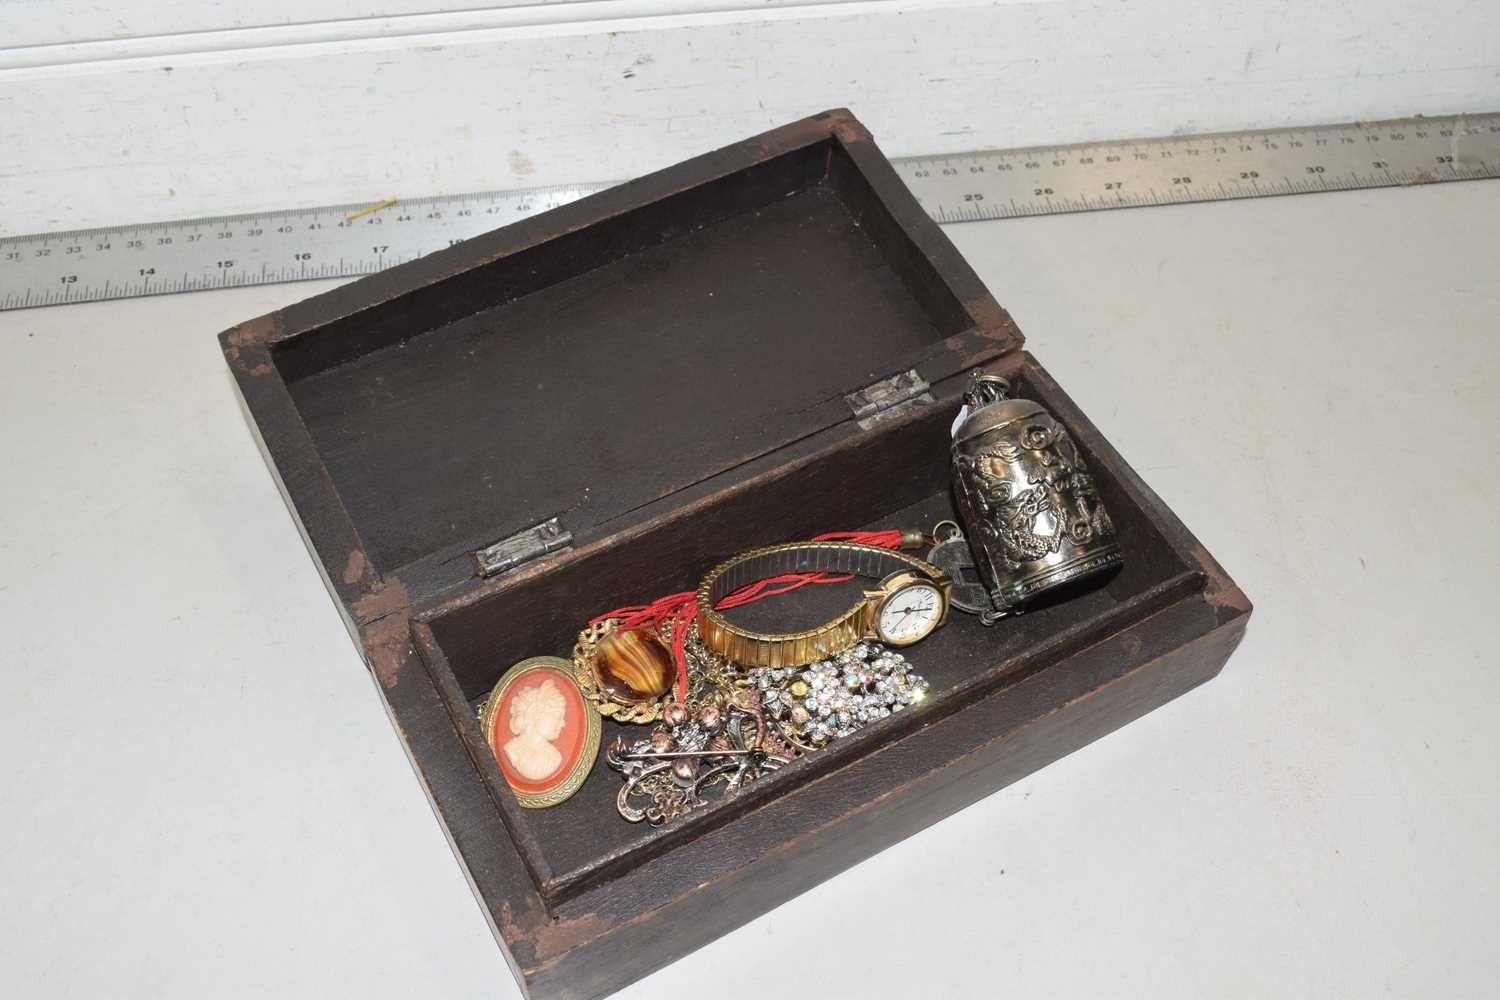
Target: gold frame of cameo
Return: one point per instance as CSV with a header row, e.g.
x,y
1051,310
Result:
x,y
547,792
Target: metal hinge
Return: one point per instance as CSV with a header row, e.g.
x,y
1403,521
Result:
x,y
522,547
889,397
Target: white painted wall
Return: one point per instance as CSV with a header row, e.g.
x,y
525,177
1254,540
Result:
x,y
123,112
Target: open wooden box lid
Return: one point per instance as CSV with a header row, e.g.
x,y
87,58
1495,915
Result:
x,y
562,378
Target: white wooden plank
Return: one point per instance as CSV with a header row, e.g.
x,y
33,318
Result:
x,y
55,22
303,124
67,33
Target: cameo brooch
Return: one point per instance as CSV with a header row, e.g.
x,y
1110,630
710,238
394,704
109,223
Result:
x,y
543,732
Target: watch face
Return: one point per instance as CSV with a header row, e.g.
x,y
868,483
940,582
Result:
x,y
910,614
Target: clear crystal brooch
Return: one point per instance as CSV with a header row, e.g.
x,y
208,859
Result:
x,y
818,703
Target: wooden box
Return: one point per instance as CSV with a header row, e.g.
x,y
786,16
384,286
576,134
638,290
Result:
x,y
759,344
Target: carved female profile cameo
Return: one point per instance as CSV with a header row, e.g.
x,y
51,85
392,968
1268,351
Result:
x,y
543,733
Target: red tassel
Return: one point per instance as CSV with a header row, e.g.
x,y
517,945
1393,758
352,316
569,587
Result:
x,y
888,539
680,608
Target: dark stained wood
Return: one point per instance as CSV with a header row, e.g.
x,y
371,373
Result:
x,y
597,394
664,367
713,313
896,476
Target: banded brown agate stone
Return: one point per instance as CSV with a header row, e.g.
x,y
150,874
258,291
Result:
x,y
633,666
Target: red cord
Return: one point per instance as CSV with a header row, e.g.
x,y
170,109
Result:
x,y
680,608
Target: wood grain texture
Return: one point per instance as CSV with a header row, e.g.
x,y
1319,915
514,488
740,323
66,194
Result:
x,y
331,119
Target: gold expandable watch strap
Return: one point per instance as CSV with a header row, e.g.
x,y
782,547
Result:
x,y
793,649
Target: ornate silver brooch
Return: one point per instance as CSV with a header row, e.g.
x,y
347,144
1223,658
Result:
x,y
690,755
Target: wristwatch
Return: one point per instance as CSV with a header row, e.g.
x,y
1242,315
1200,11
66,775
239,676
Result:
x,y
909,602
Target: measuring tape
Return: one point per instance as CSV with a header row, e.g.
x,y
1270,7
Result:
x,y
340,241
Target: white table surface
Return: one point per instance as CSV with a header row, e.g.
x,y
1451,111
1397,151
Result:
x,y
201,795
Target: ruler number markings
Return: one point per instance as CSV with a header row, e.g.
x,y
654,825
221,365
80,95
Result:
x,y
1045,181
349,240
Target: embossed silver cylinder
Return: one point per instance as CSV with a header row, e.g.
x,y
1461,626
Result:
x,y
1033,514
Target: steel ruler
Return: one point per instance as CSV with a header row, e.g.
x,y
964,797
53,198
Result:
x,y
347,240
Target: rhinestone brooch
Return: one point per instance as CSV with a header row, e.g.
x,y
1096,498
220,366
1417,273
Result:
x,y
823,701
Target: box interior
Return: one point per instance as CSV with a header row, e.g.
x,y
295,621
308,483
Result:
x,y
893,476
597,372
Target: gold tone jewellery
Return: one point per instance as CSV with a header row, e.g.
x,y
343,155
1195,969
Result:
x,y
909,603
626,674
725,705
